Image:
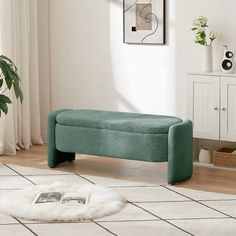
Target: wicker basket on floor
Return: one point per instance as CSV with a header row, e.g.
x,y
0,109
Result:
x,y
224,157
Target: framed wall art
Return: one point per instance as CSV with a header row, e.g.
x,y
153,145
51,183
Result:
x,y
144,21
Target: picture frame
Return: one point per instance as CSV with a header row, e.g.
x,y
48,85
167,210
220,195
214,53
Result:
x,y
144,22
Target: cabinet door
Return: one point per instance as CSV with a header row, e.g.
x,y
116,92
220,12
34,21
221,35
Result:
x,y
228,109
204,106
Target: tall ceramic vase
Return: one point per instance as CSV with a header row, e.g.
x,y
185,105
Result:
x,y
207,64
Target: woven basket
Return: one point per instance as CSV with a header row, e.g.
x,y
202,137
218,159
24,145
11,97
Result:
x,y
224,157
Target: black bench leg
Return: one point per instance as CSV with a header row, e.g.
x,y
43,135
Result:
x,y
59,157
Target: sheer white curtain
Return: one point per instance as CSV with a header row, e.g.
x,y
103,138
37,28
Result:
x,y
18,40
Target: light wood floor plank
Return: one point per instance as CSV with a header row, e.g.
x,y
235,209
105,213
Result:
x,y
206,179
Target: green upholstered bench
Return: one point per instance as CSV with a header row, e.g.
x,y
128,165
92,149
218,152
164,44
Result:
x,y
120,134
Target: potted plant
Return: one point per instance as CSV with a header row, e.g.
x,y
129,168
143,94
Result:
x,y
9,79
205,39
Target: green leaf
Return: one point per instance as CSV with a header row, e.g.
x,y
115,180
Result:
x,y
1,82
15,76
8,68
3,107
195,28
21,96
5,71
4,99
11,78
18,91
9,61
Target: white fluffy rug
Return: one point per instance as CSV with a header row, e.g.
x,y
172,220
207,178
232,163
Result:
x,y
102,202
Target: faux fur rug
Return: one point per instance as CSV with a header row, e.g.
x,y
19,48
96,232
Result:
x,y
102,202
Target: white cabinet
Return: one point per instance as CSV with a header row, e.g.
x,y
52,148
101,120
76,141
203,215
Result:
x,y
212,106
228,109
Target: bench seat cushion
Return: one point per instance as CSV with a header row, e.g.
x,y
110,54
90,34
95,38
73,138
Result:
x,y
117,121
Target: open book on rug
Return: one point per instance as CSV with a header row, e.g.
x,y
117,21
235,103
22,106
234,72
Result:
x,y
71,198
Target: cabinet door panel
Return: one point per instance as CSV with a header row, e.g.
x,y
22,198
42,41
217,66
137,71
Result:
x,y
204,106
228,109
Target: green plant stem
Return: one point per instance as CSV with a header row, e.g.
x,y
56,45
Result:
x,y
4,91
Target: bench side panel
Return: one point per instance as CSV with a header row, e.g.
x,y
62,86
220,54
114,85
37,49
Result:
x,y
180,152
55,156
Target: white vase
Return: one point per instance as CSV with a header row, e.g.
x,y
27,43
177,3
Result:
x,y
205,156
207,64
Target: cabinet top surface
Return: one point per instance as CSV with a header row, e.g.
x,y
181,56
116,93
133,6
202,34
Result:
x,y
214,73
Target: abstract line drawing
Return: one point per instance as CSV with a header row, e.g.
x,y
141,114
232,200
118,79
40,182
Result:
x,y
131,6
144,21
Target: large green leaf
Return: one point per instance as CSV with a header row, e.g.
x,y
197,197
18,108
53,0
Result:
x,y
7,75
18,91
11,78
9,61
8,68
15,76
4,99
21,96
3,107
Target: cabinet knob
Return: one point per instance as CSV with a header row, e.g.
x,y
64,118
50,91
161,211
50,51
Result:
x,y
223,109
216,109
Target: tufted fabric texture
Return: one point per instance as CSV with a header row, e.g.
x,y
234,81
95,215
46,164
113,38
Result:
x,y
119,121
180,161
119,134
54,156
102,142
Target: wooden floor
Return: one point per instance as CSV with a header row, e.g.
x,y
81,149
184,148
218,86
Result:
x,y
206,179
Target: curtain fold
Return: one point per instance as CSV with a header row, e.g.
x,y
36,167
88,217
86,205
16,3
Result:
x,y
19,41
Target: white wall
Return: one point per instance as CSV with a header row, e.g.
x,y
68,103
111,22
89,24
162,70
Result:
x,y
92,68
